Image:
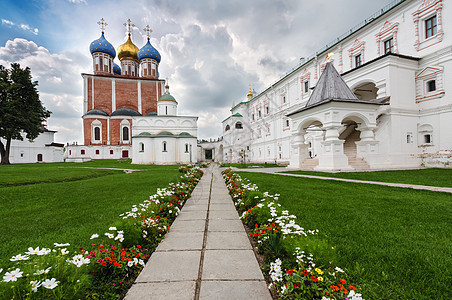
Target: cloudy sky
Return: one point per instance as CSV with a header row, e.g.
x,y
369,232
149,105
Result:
x,y
211,49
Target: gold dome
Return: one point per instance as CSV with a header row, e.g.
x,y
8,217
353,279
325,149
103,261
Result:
x,y
128,50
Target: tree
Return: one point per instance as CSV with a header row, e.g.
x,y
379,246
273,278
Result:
x,y
21,111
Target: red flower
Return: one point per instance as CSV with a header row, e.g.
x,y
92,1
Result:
x,y
290,272
306,273
343,281
296,284
313,278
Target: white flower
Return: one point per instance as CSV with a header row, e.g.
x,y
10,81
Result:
x,y
94,236
141,262
35,285
283,289
120,237
64,251
130,263
39,272
50,283
353,296
12,276
109,235
339,270
44,251
112,228
32,251
61,245
19,257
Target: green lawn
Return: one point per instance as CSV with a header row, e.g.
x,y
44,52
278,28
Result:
x,y
67,203
395,242
253,165
432,177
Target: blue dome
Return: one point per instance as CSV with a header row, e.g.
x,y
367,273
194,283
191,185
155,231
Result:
x,y
116,69
149,52
103,46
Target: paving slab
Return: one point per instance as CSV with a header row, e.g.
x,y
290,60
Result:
x,y
231,264
222,206
225,215
192,215
171,266
195,207
188,226
226,225
179,290
237,290
181,241
227,240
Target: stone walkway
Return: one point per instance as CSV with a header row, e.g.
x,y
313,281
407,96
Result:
x,y
206,254
276,171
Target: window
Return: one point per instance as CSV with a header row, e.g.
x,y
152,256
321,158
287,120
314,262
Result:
x,y
186,148
431,85
358,60
427,138
109,66
22,154
129,71
70,152
125,133
252,117
101,63
97,152
409,138
164,147
284,99
389,46
267,110
306,86
259,114
430,27
227,128
141,147
287,123
97,133
82,152
111,152
238,125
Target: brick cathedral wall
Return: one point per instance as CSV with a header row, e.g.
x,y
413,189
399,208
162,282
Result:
x,y
149,96
103,94
115,130
87,133
127,94
90,94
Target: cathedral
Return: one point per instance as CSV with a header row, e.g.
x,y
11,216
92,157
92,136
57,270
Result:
x,y
128,111
376,97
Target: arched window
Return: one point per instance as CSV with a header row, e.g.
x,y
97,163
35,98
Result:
x,y
125,133
238,125
186,148
164,147
97,133
227,128
141,147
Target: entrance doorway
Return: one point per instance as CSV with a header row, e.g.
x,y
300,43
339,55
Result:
x,y
39,157
209,154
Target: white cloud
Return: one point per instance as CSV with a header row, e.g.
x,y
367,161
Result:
x,y
25,27
78,1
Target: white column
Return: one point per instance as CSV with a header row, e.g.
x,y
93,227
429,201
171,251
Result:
x,y
333,157
85,95
108,131
92,91
139,97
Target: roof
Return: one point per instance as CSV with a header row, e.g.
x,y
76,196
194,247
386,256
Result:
x,y
330,86
237,115
164,134
125,112
97,112
167,97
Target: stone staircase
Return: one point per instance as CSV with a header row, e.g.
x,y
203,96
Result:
x,y
309,164
357,163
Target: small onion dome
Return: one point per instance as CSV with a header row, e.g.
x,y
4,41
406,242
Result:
x,y
167,96
128,50
96,112
125,112
250,94
103,46
148,51
116,69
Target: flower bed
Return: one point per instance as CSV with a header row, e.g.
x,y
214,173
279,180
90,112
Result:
x,y
299,263
104,271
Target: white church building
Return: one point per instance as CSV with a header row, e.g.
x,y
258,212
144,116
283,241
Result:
x,y
382,101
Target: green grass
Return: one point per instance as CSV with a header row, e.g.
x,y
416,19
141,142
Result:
x,y
395,242
432,177
253,165
69,212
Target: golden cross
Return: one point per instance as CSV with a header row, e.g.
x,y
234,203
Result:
x,y
129,26
102,24
148,31
328,56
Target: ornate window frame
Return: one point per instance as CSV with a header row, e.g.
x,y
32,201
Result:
x,y
125,124
357,48
428,9
305,78
388,31
96,124
423,77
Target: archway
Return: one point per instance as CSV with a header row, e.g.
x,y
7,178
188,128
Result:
x,y
366,91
